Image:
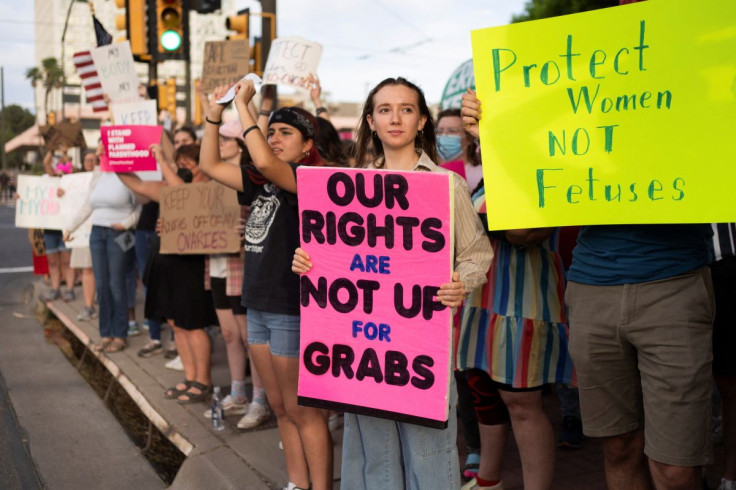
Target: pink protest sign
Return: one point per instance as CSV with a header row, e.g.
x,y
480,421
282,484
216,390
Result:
x,y
373,340
457,166
127,148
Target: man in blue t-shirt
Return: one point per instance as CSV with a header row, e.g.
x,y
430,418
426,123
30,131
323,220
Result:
x,y
641,309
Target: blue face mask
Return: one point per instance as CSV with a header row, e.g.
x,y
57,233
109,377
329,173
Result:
x,y
449,146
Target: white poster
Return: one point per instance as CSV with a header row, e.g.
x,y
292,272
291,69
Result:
x,y
142,113
76,189
116,70
37,205
291,61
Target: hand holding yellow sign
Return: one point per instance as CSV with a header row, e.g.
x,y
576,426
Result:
x,y
622,115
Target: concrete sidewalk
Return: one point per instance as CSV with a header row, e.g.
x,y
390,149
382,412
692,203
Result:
x,y
251,459
73,439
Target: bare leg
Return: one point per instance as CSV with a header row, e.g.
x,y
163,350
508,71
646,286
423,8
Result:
x,y
296,463
234,344
186,354
669,477
69,273
242,322
199,343
313,431
88,287
625,463
492,445
54,269
534,436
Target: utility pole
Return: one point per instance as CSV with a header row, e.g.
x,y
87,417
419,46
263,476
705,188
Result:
x,y
267,6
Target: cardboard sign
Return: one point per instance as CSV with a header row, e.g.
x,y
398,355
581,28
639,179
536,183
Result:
x,y
291,61
199,219
225,62
116,71
127,148
37,205
64,133
373,341
76,189
459,82
621,116
141,113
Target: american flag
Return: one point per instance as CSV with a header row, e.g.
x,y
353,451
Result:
x,y
90,80
88,72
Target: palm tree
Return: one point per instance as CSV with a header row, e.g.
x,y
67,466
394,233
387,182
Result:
x,y
50,75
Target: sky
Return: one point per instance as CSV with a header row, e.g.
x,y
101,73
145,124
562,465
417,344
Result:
x,y
364,41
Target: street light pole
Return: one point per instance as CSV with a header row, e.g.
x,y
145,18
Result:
x,y
63,39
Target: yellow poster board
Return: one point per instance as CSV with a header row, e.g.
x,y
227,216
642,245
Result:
x,y
625,115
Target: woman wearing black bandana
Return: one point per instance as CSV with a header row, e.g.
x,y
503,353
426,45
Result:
x,y
270,289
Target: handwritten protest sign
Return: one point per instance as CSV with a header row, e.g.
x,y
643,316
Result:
x,y
291,61
127,148
76,189
459,82
373,340
63,133
37,205
199,219
622,115
142,113
225,62
116,71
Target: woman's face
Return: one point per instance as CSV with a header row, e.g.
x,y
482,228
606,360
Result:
x,y
89,162
228,147
287,142
450,130
188,163
395,117
182,138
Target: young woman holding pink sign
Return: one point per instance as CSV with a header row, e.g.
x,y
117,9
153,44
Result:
x,y
270,290
380,453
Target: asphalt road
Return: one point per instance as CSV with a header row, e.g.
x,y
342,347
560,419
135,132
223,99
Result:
x,y
17,469
55,432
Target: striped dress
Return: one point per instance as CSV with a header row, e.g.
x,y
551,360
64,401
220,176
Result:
x,y
514,326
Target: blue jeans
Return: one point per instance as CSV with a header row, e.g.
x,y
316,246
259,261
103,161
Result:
x,y
110,266
378,454
142,248
569,400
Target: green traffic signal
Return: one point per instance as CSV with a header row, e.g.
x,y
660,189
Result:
x,y
171,40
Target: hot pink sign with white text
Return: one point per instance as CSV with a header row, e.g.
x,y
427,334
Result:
x,y
373,338
127,148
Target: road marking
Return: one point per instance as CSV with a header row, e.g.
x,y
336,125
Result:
x,y
10,270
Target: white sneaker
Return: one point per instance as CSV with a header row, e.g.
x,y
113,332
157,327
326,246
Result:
x,y
175,364
473,485
256,415
231,407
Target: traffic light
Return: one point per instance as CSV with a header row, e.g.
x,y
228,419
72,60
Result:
x,y
167,96
239,23
133,21
172,30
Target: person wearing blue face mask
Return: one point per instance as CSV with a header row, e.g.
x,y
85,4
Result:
x,y
455,144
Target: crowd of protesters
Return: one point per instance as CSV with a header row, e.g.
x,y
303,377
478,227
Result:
x,y
632,324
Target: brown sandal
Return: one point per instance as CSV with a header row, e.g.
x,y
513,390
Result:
x,y
116,345
102,345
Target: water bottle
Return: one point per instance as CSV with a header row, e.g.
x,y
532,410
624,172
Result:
x,y
218,413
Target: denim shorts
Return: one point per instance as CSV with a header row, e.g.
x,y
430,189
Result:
x,y
279,331
54,242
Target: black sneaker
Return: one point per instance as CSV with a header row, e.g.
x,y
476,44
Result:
x,y
571,435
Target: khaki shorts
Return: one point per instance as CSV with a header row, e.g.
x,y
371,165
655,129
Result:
x,y
81,258
643,358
